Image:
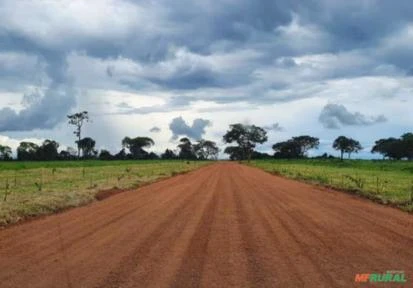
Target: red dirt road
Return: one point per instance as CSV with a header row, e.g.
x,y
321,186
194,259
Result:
x,y
224,225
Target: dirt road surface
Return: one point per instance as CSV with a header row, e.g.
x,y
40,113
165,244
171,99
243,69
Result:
x,y
224,225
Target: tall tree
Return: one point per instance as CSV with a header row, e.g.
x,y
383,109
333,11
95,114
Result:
x,y
136,145
48,150
27,151
346,145
78,120
186,149
87,145
246,136
306,143
5,153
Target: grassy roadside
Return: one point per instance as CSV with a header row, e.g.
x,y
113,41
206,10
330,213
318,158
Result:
x,y
387,182
30,189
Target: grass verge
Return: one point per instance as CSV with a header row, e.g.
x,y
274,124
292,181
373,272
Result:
x,y
30,189
386,182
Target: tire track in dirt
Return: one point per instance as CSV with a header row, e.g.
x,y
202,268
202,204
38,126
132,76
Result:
x,y
224,225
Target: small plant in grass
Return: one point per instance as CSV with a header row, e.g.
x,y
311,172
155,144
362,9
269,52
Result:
x,y
358,181
380,185
39,186
6,192
321,179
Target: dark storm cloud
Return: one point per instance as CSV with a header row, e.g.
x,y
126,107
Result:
x,y
189,46
179,127
43,110
334,116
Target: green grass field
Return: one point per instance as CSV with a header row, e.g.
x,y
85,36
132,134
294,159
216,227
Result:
x,y
38,188
388,182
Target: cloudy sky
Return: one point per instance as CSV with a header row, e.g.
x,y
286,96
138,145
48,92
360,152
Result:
x,y
167,69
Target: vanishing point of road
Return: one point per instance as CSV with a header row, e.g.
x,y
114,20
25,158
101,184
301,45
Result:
x,y
224,225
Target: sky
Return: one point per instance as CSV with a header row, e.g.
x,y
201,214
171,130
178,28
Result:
x,y
170,69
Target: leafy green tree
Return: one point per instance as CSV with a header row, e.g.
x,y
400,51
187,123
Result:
x,y
235,153
121,155
390,147
206,149
186,150
68,154
395,148
5,153
246,137
27,151
168,154
407,140
346,145
152,156
288,149
48,151
306,143
105,155
296,147
78,120
136,145
87,145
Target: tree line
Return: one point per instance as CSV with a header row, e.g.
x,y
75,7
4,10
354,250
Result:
x,y
243,140
248,136
132,148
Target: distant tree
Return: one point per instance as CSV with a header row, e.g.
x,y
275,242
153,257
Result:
x,y
105,155
206,149
407,140
260,155
186,150
168,154
78,120
296,147
5,153
136,145
27,151
306,143
152,156
246,137
390,148
235,153
87,145
48,151
395,148
121,155
346,145
68,154
288,149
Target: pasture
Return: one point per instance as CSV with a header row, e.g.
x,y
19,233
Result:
x,y
387,182
37,188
